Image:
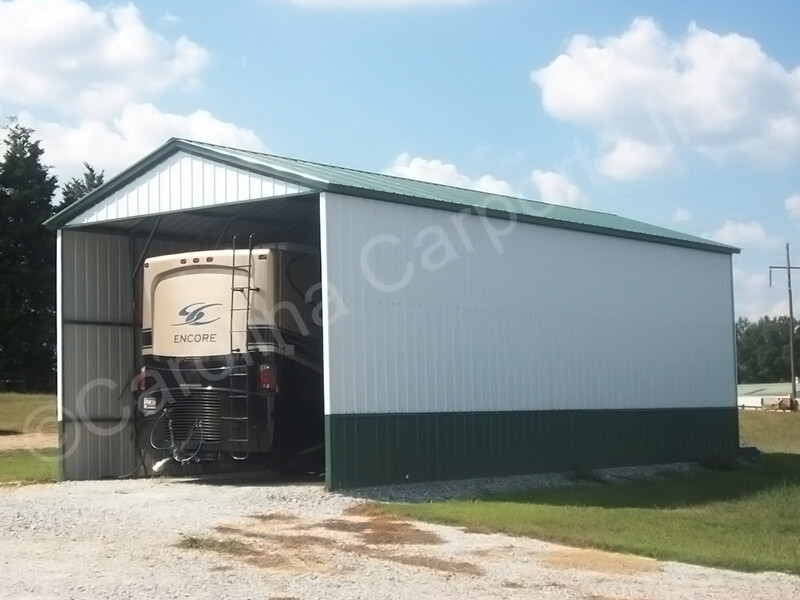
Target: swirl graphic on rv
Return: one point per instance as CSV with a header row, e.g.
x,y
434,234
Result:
x,y
194,314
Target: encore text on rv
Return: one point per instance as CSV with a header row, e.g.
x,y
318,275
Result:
x,y
195,338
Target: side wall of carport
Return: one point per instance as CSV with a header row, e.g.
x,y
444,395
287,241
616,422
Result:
x,y
98,340
458,346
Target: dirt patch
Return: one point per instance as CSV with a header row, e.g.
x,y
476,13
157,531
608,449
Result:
x,y
225,530
512,585
301,563
28,441
254,554
416,560
382,530
273,517
597,560
289,542
231,547
495,552
295,542
348,525
437,564
276,543
367,509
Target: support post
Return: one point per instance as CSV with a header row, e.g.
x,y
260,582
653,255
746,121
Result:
x,y
788,268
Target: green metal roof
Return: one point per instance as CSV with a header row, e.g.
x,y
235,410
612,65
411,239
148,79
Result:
x,y
328,178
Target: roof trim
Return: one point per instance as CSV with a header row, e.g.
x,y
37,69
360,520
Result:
x,y
117,182
318,184
534,220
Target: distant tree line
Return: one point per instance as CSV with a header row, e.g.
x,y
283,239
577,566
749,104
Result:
x,y
27,254
763,350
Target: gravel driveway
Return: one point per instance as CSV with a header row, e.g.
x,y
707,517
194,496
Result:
x,y
162,539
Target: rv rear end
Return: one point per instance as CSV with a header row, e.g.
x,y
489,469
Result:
x,y
231,354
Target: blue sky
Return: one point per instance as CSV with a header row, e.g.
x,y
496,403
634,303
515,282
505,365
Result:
x,y
682,114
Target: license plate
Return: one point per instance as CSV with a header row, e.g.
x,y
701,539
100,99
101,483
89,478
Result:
x,y
149,403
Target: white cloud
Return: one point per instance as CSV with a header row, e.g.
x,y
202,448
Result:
x,y
436,171
631,159
647,96
139,129
169,19
792,204
556,188
681,215
754,298
362,4
741,233
87,79
90,60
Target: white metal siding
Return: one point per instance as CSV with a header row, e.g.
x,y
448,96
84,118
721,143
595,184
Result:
x,y
326,243
535,319
184,182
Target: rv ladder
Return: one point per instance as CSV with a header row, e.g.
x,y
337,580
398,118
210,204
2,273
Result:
x,y
239,386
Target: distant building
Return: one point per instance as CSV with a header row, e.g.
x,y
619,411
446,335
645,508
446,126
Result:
x,y
763,395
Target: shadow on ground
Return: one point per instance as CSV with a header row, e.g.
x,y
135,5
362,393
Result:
x,y
700,487
253,479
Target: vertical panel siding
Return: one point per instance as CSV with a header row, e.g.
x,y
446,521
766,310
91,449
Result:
x,y
96,349
183,182
95,274
97,371
388,449
539,319
96,451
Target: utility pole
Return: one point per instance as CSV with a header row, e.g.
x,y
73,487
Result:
x,y
789,268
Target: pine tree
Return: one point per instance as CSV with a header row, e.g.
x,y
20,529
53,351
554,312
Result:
x,y
27,260
75,188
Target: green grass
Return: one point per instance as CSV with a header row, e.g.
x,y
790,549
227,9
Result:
x,y
27,413
746,518
26,466
770,431
23,413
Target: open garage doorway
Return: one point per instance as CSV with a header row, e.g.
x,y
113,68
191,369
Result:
x,y
191,341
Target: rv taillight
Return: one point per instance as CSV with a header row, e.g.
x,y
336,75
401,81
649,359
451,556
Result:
x,y
143,379
266,377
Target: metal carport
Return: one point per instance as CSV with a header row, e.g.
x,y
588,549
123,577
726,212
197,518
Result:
x,y
462,331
